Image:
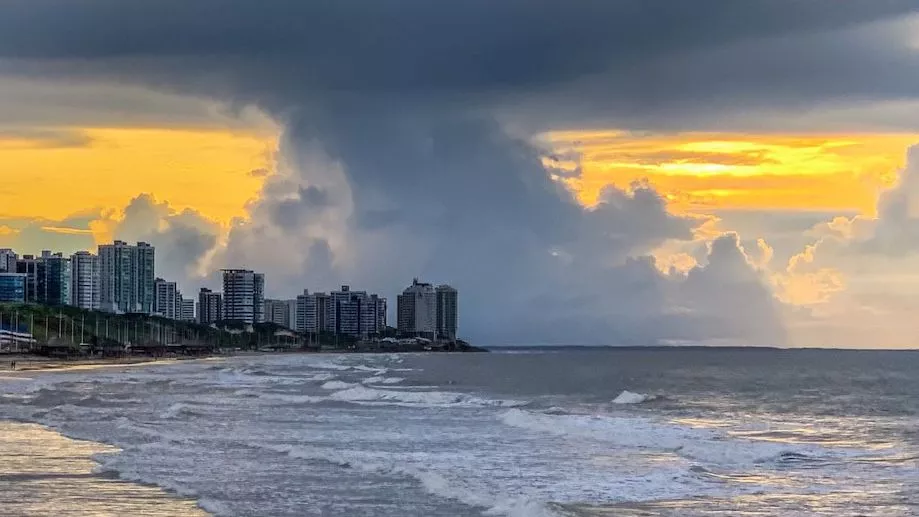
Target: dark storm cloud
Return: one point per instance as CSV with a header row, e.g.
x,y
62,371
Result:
x,y
650,50
399,166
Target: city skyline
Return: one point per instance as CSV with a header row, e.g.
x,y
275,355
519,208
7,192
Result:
x,y
121,274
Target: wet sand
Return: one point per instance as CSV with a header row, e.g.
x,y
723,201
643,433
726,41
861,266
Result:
x,y
46,474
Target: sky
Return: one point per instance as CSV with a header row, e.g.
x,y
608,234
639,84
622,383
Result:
x,y
606,173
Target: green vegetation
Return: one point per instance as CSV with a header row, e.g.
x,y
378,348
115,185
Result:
x,y
71,331
61,326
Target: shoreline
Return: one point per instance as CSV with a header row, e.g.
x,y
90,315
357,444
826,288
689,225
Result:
x,y
38,363
32,364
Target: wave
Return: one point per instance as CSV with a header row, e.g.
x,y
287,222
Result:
x,y
112,465
214,507
432,482
178,409
326,365
320,377
628,397
361,394
337,385
291,399
707,446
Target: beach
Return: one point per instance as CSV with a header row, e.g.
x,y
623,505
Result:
x,y
515,433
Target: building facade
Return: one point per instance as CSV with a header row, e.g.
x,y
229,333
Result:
x,y
165,299
12,288
355,313
187,309
85,285
447,313
54,279
312,312
8,259
28,265
417,310
281,312
127,277
210,307
243,296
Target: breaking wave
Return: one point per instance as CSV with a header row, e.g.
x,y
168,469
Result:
x,y
628,397
707,446
432,482
362,394
337,385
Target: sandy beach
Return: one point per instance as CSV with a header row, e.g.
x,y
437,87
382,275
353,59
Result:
x,y
32,363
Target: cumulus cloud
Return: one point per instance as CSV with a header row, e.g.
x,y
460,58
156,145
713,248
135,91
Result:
x,y
399,155
183,238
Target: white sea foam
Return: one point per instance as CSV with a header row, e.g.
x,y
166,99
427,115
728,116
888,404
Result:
x,y
337,385
291,399
326,365
628,397
178,409
703,445
113,464
433,482
363,394
214,507
320,377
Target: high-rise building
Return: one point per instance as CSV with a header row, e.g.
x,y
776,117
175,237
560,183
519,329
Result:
x,y
417,310
446,312
165,299
354,313
12,288
312,312
85,285
28,266
54,279
126,274
243,296
8,259
187,309
281,312
210,307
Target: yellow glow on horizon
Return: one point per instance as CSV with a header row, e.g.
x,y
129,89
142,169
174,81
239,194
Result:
x,y
206,170
698,172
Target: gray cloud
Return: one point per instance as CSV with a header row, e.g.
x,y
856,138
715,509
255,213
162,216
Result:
x,y
397,164
182,238
44,138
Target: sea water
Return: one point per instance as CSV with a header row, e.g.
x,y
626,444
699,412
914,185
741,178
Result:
x,y
530,433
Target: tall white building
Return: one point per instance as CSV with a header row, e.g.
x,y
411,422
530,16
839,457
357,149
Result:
x,y
187,309
417,310
281,312
127,275
85,287
243,296
165,299
312,312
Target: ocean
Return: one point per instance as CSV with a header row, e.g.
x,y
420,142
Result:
x,y
516,433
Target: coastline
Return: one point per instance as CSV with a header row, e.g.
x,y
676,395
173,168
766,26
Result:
x,y
31,363
53,469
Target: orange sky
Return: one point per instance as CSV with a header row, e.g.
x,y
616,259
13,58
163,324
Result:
x,y
203,169
704,171
211,170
